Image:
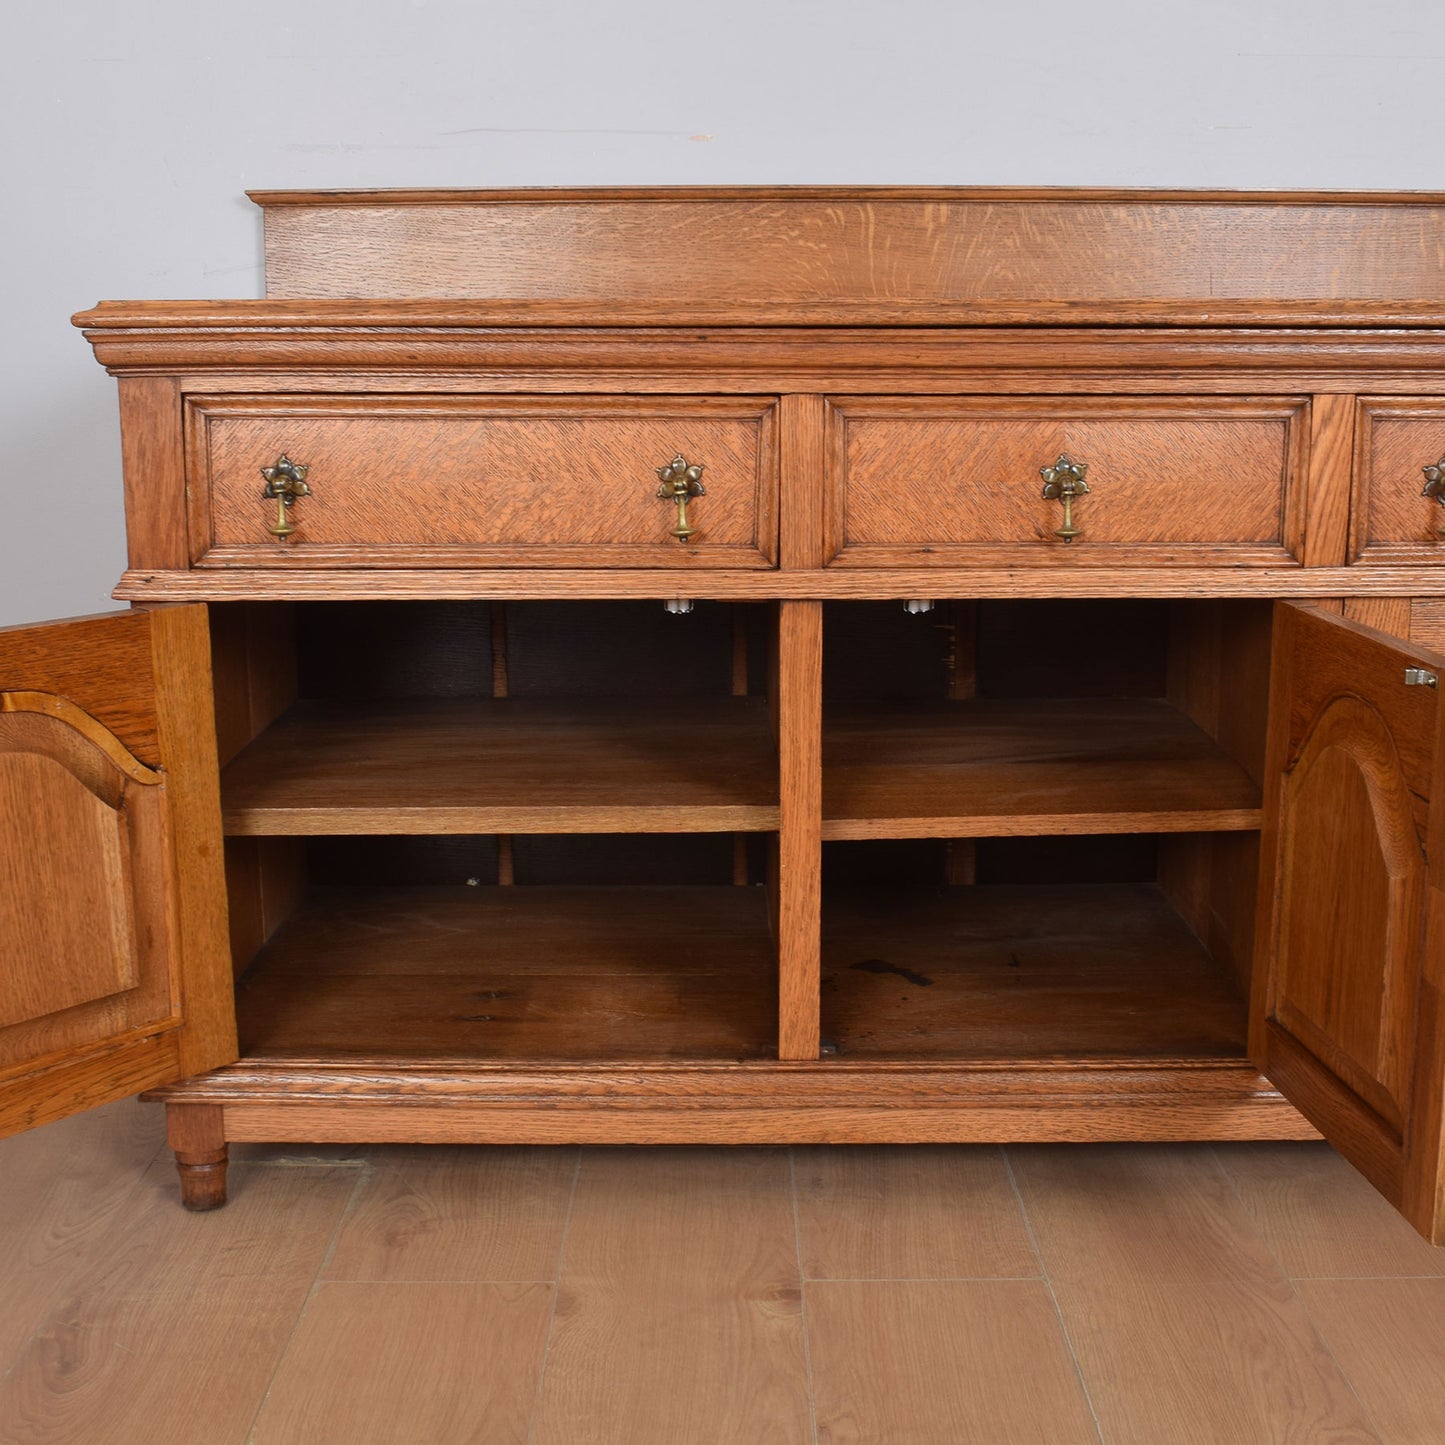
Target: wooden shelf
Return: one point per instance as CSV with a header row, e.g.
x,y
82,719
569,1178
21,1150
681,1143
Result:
x,y
516,974
507,766
1023,972
987,768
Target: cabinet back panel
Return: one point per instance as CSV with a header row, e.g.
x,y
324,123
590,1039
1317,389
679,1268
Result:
x,y
923,862
1059,648
618,649
358,651
627,858
368,650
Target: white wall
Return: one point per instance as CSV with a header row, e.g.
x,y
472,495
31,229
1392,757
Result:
x,y
131,130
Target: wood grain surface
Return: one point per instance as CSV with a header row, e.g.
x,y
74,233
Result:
x,y
952,481
1321,1219
373,1364
319,584
679,1313
131,1345
992,767
457,1215
1329,462
509,765
798,693
924,1213
1385,1334
66,1189
111,943
1339,1015
153,467
1183,1346
539,482
925,1360
1392,520
84,927
797,248
181,664
517,973
102,664
1180,1318
1000,972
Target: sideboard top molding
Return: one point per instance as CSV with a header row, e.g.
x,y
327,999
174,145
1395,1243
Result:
x,y
740,253
1083,195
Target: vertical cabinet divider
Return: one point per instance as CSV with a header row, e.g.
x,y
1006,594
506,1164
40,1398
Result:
x,y
798,695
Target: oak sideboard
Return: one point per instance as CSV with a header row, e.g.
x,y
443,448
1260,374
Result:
x,y
758,665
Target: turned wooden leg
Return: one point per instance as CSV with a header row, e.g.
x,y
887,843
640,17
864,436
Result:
x,y
197,1133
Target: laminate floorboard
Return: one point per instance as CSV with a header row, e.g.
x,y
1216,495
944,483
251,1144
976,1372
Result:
x,y
1184,1325
1321,1217
1172,1294
174,1333
458,1215
912,1362
1389,1337
917,1212
434,1364
63,1188
679,1307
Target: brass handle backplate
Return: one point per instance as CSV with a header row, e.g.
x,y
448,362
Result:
x,y
1435,485
284,483
1062,483
681,482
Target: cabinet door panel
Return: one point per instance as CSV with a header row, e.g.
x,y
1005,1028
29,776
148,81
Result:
x,y
1342,965
108,903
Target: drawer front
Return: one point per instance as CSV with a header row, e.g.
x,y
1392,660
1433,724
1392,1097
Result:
x,y
1399,451
958,481
481,482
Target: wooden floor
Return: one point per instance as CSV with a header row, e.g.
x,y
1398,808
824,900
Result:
x,y
1131,1295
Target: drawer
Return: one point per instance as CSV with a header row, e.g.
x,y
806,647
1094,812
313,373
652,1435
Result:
x,y
956,481
1392,518
397,481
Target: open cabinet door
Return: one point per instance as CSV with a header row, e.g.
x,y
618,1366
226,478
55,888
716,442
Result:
x,y
1346,1017
114,967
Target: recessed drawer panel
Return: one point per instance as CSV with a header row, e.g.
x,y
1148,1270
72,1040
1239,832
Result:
x,y
482,481
1399,503
1062,481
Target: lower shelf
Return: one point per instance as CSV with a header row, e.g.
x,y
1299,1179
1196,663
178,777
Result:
x,y
568,975
516,974
1031,972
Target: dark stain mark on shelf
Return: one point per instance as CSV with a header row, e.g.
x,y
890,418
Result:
x,y
881,965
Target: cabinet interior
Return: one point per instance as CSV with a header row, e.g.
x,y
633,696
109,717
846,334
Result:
x,y
544,831
1043,827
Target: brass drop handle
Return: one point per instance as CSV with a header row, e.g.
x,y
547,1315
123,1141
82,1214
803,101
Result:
x,y
1435,486
1062,483
284,483
681,482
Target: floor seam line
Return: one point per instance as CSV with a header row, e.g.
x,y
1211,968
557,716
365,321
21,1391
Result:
x,y
928,1279
1324,1344
316,1282
1053,1295
802,1294
556,1292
